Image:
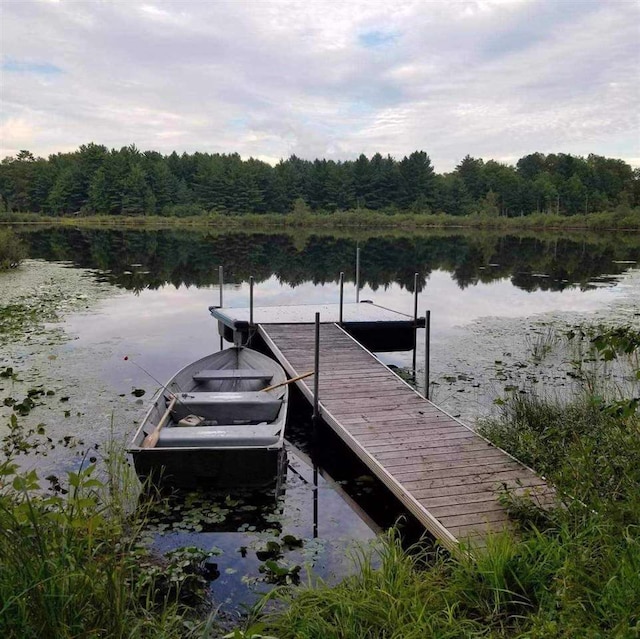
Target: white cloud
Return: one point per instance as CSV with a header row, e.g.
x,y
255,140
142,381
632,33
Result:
x,y
492,78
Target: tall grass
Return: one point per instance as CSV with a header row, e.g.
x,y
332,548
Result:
x,y
70,562
572,571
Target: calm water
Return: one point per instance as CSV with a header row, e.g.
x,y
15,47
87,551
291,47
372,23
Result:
x,y
145,294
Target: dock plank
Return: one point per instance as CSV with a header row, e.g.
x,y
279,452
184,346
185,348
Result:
x,y
448,476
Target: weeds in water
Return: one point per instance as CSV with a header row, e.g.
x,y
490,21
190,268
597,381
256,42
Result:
x,y
71,565
12,250
545,340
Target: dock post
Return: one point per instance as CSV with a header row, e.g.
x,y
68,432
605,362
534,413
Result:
x,y
220,282
427,352
357,274
251,301
316,371
341,295
315,500
221,285
415,322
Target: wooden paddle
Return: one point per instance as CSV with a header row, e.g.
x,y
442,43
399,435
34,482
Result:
x,y
289,381
152,438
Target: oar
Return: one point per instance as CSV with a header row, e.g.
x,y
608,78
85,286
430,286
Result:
x,y
289,381
152,438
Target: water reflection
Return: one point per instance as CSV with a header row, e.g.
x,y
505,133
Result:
x,y
149,259
296,529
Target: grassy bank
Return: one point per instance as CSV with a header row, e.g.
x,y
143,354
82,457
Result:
x,y
71,561
570,572
622,219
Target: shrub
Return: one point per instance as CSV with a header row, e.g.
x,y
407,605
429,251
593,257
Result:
x,y
12,250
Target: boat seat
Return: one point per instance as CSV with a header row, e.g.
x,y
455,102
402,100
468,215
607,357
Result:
x,y
223,436
227,407
231,374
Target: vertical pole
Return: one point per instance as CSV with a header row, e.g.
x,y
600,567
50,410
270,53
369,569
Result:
x,y
220,282
316,370
427,352
221,285
251,300
341,294
415,321
357,274
315,500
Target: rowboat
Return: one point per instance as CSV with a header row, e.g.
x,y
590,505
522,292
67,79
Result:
x,y
219,420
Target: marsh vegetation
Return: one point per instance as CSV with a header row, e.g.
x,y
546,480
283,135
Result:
x,y
12,249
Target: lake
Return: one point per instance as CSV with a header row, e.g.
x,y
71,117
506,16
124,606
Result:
x,y
94,296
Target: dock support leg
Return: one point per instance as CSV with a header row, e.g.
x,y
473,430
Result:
x,y
315,500
427,352
221,286
316,370
251,301
220,282
415,324
357,274
341,295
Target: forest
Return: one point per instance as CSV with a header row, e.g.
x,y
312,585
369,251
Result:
x,y
96,180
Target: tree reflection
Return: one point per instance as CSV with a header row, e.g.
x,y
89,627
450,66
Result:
x,y
148,259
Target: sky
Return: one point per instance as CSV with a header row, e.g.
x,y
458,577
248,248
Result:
x,y
495,79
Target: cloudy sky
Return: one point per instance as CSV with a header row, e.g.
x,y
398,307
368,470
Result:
x,y
265,78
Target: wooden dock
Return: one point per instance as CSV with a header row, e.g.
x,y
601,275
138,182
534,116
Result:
x,y
444,473
380,328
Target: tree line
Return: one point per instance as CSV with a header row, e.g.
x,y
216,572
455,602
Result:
x,y
94,179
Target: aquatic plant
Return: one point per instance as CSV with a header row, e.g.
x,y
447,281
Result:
x,y
71,563
12,250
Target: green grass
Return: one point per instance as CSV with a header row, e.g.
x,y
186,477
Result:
x,y
626,219
71,563
573,571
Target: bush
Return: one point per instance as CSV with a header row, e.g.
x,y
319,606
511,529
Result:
x,y
12,250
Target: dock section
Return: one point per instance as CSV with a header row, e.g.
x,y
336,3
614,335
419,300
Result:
x,y
444,473
379,328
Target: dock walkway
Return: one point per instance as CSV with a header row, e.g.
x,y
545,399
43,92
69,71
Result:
x,y
444,473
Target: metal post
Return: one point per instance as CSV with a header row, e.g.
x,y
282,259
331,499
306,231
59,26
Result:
x,y
427,352
251,300
221,285
341,294
316,370
357,274
220,282
315,500
415,321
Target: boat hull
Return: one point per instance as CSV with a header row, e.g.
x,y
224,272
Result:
x,y
225,468
238,433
